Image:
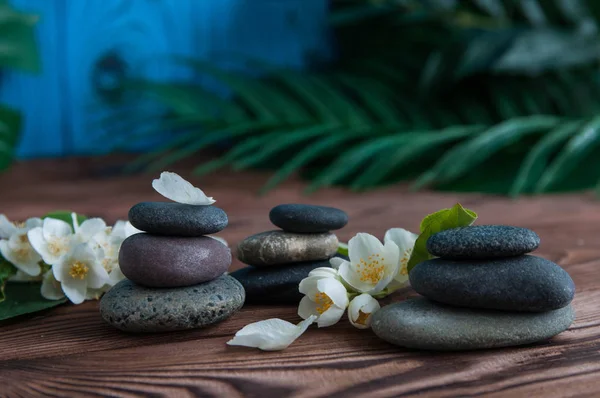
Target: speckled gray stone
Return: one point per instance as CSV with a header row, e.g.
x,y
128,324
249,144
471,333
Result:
x,y
423,324
165,261
523,283
275,285
307,218
138,309
177,219
483,241
279,247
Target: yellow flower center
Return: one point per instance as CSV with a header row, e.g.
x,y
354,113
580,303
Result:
x,y
20,224
371,270
78,270
107,264
323,302
57,247
22,254
404,261
23,238
362,318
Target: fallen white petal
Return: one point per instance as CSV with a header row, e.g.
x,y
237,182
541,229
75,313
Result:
x,y
174,187
271,334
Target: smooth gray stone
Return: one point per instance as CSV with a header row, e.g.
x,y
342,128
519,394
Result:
x,y
302,218
483,241
165,261
423,324
279,247
177,219
138,309
275,285
524,283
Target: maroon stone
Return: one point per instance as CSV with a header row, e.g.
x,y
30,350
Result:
x,y
165,261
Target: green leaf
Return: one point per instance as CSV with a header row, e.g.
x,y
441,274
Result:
x,y
455,217
342,249
25,298
65,216
6,271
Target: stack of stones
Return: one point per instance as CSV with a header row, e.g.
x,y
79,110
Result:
x,y
176,274
280,259
484,291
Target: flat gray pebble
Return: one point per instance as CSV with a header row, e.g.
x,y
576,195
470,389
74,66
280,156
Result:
x,y
278,247
423,324
523,283
177,219
483,241
133,308
303,218
166,261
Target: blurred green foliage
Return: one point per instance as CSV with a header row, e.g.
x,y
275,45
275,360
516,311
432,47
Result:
x,y
18,50
488,95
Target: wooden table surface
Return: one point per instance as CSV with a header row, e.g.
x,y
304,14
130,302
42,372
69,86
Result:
x,y
69,351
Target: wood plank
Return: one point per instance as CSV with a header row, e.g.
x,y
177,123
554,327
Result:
x,y
70,351
40,97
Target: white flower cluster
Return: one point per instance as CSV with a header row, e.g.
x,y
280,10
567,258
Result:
x,y
80,263
375,270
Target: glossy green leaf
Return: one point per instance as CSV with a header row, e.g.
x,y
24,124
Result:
x,y
444,219
25,298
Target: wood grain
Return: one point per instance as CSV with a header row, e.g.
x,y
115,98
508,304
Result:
x,y
69,351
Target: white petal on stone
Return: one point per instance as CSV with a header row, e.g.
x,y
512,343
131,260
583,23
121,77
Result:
x,y
331,316
335,290
365,304
51,289
131,230
307,308
223,241
404,239
323,272
336,262
174,187
271,334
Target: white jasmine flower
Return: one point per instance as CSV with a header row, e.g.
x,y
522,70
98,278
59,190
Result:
x,y
405,240
372,266
52,240
22,277
109,240
361,310
270,335
17,249
174,187
78,271
325,298
51,289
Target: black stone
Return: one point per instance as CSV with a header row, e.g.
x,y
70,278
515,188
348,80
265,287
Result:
x,y
275,285
483,241
177,219
524,283
307,218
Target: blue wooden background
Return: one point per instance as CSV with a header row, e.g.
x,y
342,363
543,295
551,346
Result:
x,y
80,38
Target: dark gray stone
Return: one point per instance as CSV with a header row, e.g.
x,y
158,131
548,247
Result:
x,y
165,261
308,218
138,309
177,219
524,283
279,247
275,285
423,324
483,241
